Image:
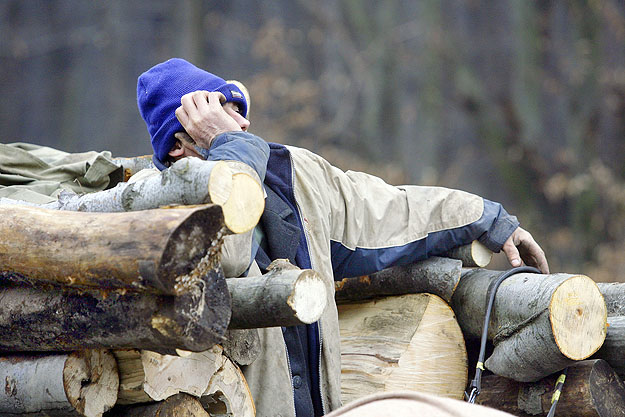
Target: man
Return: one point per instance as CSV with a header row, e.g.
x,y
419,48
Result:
x,y
339,223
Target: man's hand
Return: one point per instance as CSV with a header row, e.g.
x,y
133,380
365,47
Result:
x,y
203,117
521,245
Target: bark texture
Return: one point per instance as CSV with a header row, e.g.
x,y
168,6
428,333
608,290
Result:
x,y
474,254
282,297
539,324
435,275
150,250
58,318
408,342
591,389
81,383
180,405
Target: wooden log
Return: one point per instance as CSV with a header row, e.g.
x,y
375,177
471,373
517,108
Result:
x,y
439,276
150,250
188,181
591,389
133,165
282,297
77,384
614,295
613,349
242,346
539,324
59,318
474,254
408,342
210,376
179,405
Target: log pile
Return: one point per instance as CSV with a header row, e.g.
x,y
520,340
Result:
x,y
116,302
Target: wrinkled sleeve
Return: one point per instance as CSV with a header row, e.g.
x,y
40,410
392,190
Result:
x,y
241,146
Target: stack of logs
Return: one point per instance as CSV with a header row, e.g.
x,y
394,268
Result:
x,y
410,328
116,303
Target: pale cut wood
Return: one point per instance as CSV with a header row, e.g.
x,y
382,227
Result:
x,y
77,384
209,375
149,250
179,405
540,323
188,181
591,389
60,318
475,254
133,165
439,276
282,297
408,342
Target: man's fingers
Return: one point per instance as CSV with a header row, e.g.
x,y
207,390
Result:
x,y
512,253
201,100
216,99
182,116
188,104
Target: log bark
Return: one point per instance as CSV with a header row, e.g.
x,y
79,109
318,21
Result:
x,y
209,375
58,318
131,166
474,254
591,389
613,349
614,295
282,297
180,405
188,181
408,342
242,346
439,276
152,250
77,384
539,324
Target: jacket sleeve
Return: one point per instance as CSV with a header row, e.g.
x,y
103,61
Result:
x,y
373,225
241,146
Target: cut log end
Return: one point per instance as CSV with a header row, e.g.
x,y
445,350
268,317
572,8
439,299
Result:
x,y
474,254
220,183
91,381
308,309
245,204
578,317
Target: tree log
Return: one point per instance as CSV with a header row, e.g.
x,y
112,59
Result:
x,y
179,405
591,389
209,375
282,297
133,165
435,275
614,295
409,342
59,318
474,254
242,346
77,384
188,181
153,250
539,324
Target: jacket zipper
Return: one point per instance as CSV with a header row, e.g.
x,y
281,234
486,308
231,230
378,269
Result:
x,y
301,218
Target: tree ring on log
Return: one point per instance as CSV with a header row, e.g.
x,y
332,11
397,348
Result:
x,y
578,323
308,309
220,183
242,210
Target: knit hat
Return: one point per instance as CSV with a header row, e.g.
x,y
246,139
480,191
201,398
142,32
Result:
x,y
159,91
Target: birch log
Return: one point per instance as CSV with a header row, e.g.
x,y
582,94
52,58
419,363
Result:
x,y
133,165
591,389
282,297
539,324
613,350
408,342
150,250
77,384
474,254
180,405
188,181
57,318
210,376
439,276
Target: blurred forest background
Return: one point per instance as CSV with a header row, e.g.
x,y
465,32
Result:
x,y
522,102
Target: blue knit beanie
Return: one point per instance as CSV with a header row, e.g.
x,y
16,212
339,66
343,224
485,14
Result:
x,y
159,91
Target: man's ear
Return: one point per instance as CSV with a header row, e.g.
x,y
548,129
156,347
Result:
x,y
177,150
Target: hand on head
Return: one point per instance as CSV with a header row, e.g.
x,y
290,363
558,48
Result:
x,y
203,117
522,246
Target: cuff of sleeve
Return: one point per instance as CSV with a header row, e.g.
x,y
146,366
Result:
x,y
499,231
